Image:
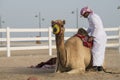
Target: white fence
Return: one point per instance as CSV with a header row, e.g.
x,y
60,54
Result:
x,y
50,46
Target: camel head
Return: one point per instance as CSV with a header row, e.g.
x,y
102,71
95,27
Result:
x,y
58,27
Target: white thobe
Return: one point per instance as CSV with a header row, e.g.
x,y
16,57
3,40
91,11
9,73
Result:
x,y
96,30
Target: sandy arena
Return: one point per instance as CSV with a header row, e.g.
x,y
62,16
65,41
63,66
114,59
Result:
x,y
15,67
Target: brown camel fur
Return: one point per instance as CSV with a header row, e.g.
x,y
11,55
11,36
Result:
x,y
72,56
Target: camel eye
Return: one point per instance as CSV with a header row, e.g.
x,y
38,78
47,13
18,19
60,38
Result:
x,y
61,25
56,29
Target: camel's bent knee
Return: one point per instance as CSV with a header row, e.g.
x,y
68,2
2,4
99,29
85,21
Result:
x,y
78,70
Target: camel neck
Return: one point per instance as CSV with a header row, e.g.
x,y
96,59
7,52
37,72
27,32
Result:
x,y
59,41
61,49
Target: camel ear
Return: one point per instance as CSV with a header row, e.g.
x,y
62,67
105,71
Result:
x,y
63,21
52,22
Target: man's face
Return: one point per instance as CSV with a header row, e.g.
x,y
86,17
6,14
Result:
x,y
86,14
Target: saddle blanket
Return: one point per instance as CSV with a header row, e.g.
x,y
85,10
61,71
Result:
x,y
86,43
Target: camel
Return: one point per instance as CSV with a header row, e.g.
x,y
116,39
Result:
x,y
72,56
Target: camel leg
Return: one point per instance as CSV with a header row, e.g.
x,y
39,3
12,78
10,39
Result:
x,y
57,66
57,69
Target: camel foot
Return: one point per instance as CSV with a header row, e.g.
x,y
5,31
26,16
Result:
x,y
58,71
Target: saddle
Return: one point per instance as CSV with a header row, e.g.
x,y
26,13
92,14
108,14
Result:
x,y
83,35
86,43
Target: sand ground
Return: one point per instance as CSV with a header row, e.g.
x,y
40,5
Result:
x,y
15,67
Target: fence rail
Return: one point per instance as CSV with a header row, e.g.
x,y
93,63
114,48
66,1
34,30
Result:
x,y
8,39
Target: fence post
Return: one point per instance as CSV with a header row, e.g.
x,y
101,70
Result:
x,y
119,39
8,41
50,41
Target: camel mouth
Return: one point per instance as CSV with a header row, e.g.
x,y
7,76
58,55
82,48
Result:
x,y
56,29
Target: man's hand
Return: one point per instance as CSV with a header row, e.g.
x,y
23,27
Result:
x,y
91,38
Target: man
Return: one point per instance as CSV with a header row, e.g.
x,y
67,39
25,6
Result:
x,y
96,31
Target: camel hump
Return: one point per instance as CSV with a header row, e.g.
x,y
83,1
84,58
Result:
x,y
74,41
